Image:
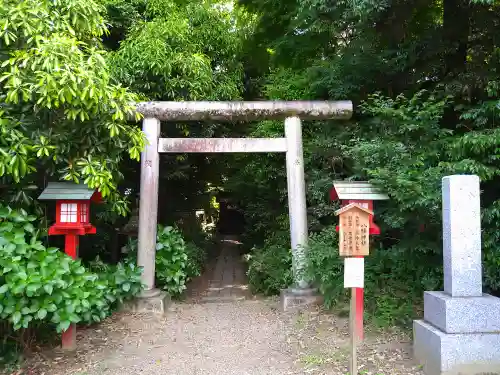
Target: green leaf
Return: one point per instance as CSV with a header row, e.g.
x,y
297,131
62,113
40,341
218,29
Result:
x,y
63,325
26,321
31,289
29,227
16,317
41,314
48,288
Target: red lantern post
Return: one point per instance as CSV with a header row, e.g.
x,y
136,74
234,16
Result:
x,y
363,194
72,221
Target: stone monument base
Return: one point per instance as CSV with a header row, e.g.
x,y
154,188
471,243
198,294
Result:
x,y
444,353
298,298
459,335
154,301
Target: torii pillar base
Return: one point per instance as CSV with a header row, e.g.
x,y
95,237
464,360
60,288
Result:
x,y
150,301
299,298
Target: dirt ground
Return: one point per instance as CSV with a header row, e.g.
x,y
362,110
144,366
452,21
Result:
x,y
251,337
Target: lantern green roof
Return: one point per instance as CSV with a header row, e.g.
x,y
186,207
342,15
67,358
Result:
x,y
66,190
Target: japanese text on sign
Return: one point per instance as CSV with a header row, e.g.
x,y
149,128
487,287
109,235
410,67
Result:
x,y
354,233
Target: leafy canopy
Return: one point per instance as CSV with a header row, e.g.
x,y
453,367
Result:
x,y
63,116
179,50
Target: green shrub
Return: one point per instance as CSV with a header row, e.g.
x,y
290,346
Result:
x,y
270,267
196,257
176,261
388,301
122,281
44,285
324,265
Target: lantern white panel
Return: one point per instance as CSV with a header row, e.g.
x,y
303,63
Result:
x,y
73,213
63,213
84,213
69,212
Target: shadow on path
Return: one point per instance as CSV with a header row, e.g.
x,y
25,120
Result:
x,y
224,279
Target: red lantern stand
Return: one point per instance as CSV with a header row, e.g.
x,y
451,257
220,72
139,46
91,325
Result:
x,y
373,230
72,221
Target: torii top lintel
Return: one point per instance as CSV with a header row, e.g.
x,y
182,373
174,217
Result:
x,y
245,110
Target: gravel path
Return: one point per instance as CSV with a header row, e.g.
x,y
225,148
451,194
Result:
x,y
232,338
224,331
220,339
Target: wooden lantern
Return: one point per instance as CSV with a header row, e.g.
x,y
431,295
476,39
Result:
x,y
72,207
72,220
354,232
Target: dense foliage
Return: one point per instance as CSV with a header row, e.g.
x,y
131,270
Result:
x,y
423,76
179,51
40,285
270,267
177,261
63,116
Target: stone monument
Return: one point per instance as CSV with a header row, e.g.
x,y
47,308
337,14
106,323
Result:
x,y
460,333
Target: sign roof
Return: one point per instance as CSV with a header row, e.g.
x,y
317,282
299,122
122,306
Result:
x,y
361,190
353,206
66,190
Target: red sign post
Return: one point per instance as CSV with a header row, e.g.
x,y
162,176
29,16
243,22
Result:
x,y
72,221
363,194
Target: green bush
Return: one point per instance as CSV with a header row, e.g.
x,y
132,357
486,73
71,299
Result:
x,y
270,266
122,281
325,266
176,261
388,301
196,257
44,285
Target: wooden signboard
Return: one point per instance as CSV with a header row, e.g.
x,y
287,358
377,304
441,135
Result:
x,y
354,230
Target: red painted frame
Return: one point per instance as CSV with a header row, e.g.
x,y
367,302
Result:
x,y
72,228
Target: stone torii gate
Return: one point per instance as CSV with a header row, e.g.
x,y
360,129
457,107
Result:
x,y
292,111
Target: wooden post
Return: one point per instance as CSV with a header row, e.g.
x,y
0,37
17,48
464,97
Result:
x,y
71,245
354,279
148,207
353,365
359,292
359,311
354,244
68,339
296,198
